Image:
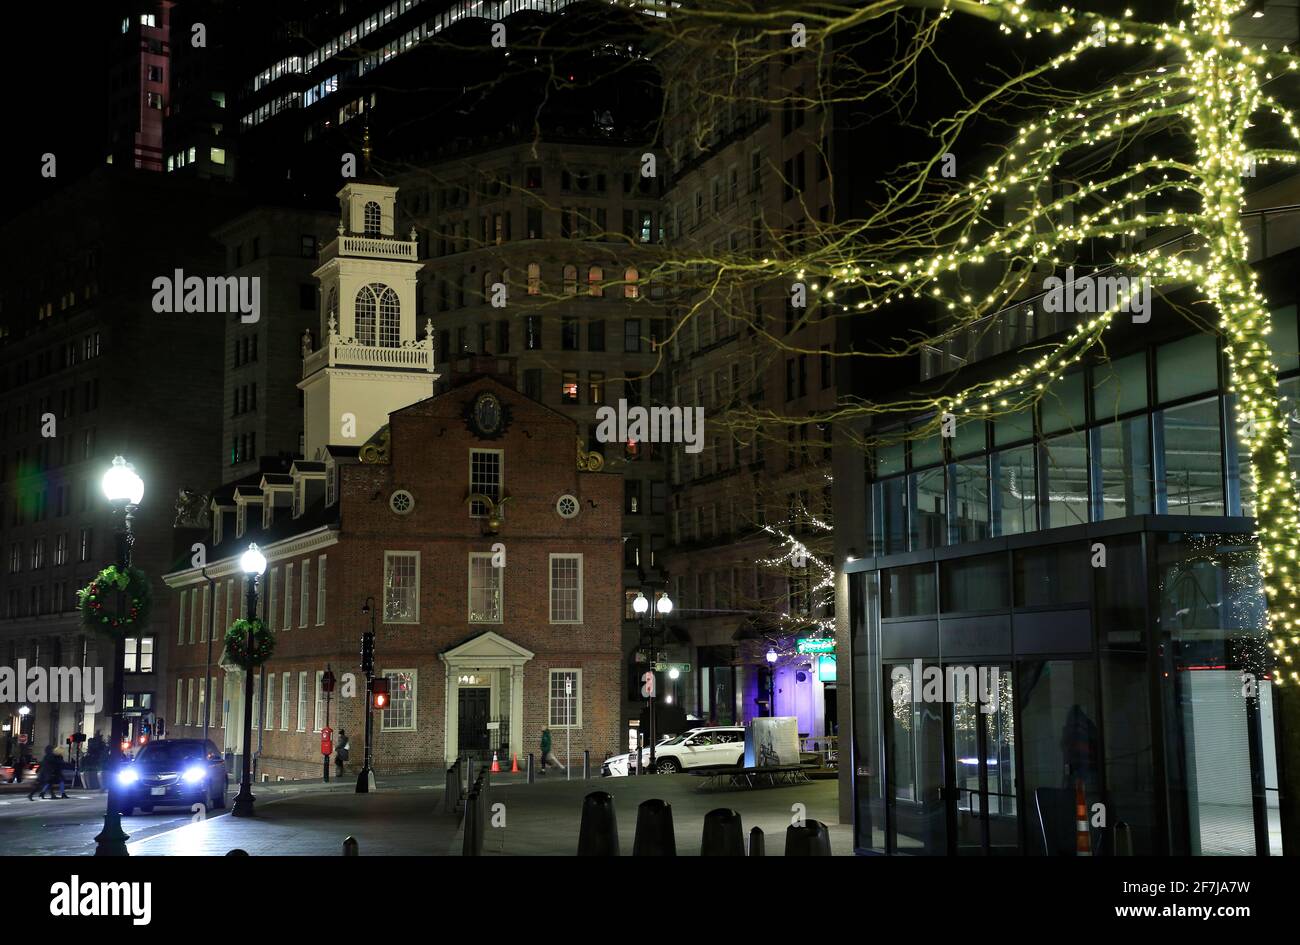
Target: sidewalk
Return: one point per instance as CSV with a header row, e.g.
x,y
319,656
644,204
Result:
x,y
543,819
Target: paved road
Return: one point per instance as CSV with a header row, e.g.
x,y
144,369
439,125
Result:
x,y
68,827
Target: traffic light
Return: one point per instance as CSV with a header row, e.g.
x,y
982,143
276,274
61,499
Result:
x,y
379,693
368,653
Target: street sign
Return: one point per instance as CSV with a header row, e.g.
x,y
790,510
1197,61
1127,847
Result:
x,y
669,667
568,686
826,668
815,645
494,726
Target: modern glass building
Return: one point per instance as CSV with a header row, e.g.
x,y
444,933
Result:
x,y
1063,604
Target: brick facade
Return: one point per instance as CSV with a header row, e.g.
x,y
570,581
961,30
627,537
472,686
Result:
x,y
428,456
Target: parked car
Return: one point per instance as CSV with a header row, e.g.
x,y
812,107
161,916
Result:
x,y
721,746
176,771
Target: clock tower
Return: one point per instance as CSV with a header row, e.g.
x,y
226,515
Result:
x,y
372,359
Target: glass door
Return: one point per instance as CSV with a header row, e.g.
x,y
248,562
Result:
x,y
915,789
981,790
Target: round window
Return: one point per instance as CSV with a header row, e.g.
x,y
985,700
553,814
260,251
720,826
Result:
x,y
401,501
567,506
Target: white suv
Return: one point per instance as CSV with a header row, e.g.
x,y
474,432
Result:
x,y
715,747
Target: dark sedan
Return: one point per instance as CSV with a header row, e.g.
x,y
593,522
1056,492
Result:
x,y
177,771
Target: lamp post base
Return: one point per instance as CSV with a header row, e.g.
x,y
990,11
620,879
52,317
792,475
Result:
x,y
243,805
365,781
111,840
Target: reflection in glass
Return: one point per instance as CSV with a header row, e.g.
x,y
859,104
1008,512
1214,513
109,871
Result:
x,y
1065,477
1124,467
889,499
1015,498
969,482
1193,459
930,518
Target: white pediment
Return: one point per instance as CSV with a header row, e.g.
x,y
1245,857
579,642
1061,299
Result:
x,y
487,649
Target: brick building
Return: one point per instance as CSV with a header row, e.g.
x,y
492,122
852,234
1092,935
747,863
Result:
x,y
530,536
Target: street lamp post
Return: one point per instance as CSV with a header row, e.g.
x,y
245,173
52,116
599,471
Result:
x,y
366,779
124,490
327,686
253,563
663,607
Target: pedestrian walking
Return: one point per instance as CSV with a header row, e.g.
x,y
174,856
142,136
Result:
x,y
51,768
341,752
548,756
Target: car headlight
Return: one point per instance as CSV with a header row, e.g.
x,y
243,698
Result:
x,y
127,776
194,775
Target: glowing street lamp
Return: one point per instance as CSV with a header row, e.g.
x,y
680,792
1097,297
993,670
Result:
x,y
253,563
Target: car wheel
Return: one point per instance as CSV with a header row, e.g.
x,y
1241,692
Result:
x,y
667,766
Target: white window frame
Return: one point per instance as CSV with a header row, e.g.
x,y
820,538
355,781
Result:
x,y
203,615
550,582
180,629
194,613
288,595
501,479
230,603
320,701
274,579
302,700
180,694
415,700
320,589
269,722
577,696
285,701
469,588
304,595
189,701
389,556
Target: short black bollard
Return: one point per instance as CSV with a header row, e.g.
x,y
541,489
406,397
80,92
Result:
x,y
654,829
469,774
472,841
809,839
757,844
586,764
350,847
451,790
598,835
723,834
532,777
237,852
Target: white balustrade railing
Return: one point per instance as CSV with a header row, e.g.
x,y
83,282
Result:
x,y
415,357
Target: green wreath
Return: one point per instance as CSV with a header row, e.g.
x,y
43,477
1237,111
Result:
x,y
97,601
237,643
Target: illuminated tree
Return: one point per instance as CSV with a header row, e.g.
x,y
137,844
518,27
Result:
x,y
1201,103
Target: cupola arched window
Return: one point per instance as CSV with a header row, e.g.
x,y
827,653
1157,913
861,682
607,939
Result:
x,y
371,216
379,316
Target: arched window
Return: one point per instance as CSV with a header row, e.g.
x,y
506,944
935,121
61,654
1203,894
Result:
x,y
377,300
390,317
534,279
371,217
570,280
595,275
630,289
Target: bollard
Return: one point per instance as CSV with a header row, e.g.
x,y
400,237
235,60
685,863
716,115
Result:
x,y
472,843
531,776
598,835
654,829
451,790
350,847
586,764
723,834
237,852
1123,839
469,774
810,839
487,787
757,844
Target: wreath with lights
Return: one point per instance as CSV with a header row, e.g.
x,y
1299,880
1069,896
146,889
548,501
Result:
x,y
98,601
237,643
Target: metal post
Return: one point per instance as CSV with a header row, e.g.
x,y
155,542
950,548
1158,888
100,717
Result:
x,y
586,764
111,840
532,777
207,666
326,766
350,847
366,776
243,806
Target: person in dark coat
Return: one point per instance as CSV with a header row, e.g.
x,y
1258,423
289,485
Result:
x,y
50,773
341,752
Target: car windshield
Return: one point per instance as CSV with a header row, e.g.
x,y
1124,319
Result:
x,y
170,753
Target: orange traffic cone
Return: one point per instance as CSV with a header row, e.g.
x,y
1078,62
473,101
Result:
x,y
1082,838
514,763
496,765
